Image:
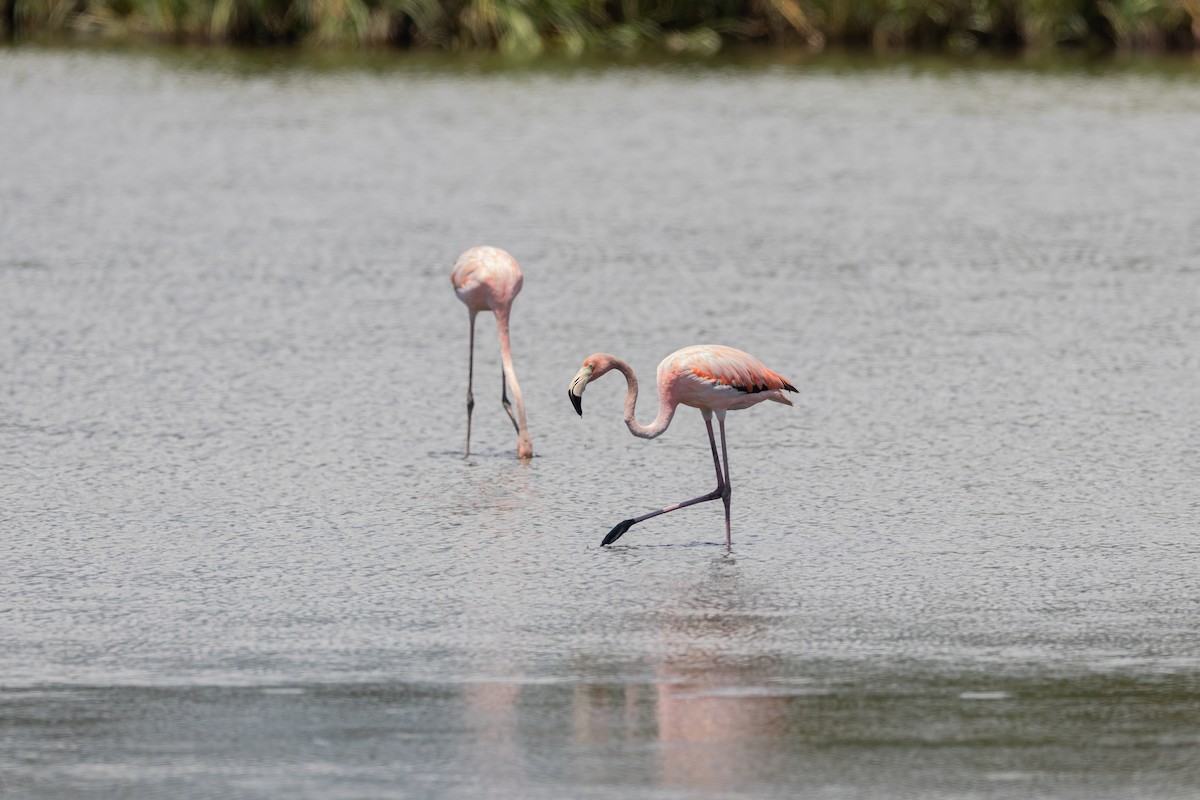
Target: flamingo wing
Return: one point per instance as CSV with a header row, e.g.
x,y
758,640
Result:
x,y
726,366
486,277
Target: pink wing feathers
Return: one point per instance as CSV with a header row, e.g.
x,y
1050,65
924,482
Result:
x,y
727,366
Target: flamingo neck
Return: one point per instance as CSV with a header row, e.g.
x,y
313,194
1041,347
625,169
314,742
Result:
x,y
524,442
666,409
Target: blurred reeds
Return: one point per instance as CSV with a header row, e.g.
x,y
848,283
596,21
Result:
x,y
529,27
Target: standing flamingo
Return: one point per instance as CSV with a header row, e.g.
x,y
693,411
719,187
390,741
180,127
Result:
x,y
710,377
489,279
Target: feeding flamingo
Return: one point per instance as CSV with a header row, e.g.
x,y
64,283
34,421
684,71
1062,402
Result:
x,y
710,377
489,279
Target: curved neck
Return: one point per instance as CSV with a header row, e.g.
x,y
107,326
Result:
x,y
666,409
524,442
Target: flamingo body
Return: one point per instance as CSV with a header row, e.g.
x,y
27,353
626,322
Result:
x,y
710,377
719,378
489,279
486,278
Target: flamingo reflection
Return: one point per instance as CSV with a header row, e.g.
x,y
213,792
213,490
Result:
x,y
715,710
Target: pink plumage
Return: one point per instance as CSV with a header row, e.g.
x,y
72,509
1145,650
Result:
x,y
716,377
485,278
489,279
710,377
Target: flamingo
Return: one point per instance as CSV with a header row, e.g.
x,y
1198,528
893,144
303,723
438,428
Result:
x,y
489,279
710,377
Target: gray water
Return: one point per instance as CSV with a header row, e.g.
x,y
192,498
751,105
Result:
x,y
243,556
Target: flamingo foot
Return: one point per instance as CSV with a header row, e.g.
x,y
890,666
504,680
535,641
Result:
x,y
618,531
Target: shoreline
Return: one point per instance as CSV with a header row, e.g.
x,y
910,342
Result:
x,y
575,28
750,59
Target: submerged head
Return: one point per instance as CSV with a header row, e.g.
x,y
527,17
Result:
x,y
524,445
593,367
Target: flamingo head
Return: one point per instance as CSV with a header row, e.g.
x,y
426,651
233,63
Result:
x,y
593,367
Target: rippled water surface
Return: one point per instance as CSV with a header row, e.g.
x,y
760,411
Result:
x,y
243,556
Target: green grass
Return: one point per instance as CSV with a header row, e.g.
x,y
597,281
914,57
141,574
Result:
x,y
531,27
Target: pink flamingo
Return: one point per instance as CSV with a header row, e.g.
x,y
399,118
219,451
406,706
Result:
x,y
489,279
710,377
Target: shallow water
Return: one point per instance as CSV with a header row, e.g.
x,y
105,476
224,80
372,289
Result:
x,y
245,558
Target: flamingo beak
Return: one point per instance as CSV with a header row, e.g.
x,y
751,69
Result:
x,y
578,383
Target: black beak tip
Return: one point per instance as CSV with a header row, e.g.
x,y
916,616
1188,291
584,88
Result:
x,y
617,532
576,401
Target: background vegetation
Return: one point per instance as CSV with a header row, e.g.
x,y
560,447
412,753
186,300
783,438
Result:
x,y
528,27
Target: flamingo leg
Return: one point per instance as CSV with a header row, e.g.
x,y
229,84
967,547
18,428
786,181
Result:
x,y
721,491
712,443
727,487
504,399
470,375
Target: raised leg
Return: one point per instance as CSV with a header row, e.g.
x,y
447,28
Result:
x,y
504,399
727,487
470,375
721,491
